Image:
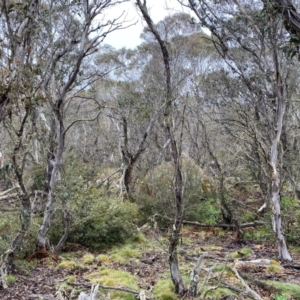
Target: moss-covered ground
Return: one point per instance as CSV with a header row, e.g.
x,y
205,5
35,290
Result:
x,y
142,264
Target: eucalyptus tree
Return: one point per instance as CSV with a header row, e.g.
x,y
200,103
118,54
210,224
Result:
x,y
81,38
20,92
249,42
44,45
127,107
168,126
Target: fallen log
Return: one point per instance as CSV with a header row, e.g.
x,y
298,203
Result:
x,y
292,266
220,225
244,225
113,288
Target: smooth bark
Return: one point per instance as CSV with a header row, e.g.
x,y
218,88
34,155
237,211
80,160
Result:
x,y
175,153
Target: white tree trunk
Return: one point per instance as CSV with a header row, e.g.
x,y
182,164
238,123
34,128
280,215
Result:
x,y
283,252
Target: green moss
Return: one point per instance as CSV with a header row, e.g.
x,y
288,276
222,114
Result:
x,y
213,248
70,278
164,290
111,277
279,297
64,287
288,289
10,279
216,294
274,268
123,254
102,258
25,265
67,264
243,253
220,268
67,255
88,258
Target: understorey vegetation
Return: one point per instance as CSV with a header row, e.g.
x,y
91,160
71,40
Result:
x,y
167,171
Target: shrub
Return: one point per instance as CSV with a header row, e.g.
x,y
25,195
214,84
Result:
x,y
100,221
155,193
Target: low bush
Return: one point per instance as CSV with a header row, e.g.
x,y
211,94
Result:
x,y
99,221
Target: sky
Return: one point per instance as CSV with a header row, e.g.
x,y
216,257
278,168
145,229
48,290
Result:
x,y
130,37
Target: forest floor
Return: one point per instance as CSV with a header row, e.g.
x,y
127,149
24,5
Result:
x,y
143,265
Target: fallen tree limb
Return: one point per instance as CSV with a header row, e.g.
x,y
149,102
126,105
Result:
x,y
249,291
8,191
245,225
292,266
121,289
8,196
259,283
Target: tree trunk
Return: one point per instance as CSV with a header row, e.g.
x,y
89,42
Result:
x,y
67,221
53,167
176,155
195,277
283,252
129,159
7,258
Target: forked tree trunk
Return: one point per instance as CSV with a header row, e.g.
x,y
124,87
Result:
x,y
129,159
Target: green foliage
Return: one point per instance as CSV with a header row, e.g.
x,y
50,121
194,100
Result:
x,y
9,224
206,210
291,218
155,194
101,221
280,297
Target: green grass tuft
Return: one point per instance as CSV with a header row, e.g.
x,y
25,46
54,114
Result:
x,y
246,252
10,279
88,259
67,264
287,289
164,290
70,278
111,277
123,254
